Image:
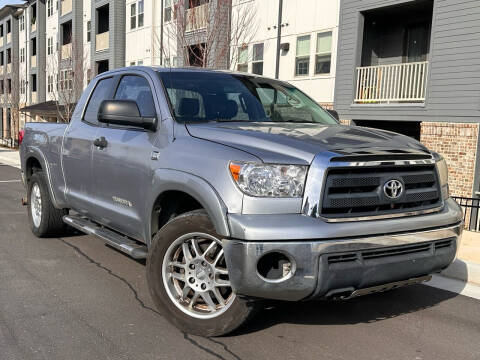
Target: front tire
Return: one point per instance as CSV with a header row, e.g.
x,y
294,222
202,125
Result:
x,y
45,220
188,278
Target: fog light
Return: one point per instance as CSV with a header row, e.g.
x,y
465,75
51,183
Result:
x,y
275,267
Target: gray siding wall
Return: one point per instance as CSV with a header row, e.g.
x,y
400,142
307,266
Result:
x,y
40,69
116,52
453,89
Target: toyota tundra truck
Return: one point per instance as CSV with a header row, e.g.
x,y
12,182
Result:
x,y
237,188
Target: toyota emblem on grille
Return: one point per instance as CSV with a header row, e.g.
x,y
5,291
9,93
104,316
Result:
x,y
393,189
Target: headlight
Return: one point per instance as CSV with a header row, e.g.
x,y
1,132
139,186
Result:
x,y
256,179
443,175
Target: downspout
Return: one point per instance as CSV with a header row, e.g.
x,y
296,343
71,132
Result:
x,y
152,40
279,36
161,33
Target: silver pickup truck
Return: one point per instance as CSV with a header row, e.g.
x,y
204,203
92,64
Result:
x,y
237,188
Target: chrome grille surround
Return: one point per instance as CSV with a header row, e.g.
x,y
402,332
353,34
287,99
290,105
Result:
x,y
316,182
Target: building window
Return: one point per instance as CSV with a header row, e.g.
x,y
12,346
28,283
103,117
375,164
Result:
x,y
49,8
9,56
133,16
9,26
9,86
302,60
132,63
140,13
50,84
89,31
22,55
257,59
23,86
323,57
2,59
50,46
1,30
1,87
169,11
140,62
34,82
22,22
66,80
243,59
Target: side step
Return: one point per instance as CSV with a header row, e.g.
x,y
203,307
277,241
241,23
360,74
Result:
x,y
113,239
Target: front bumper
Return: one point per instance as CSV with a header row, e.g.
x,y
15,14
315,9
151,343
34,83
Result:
x,y
323,268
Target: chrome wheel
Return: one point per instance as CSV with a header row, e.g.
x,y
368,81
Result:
x,y
36,205
195,276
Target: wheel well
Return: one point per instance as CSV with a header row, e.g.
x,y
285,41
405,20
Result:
x,y
169,205
32,166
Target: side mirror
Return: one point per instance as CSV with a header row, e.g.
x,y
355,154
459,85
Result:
x,y
334,114
124,112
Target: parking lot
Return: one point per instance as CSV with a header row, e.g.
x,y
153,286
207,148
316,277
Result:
x,y
75,298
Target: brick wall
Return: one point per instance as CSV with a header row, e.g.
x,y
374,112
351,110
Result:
x,y
458,145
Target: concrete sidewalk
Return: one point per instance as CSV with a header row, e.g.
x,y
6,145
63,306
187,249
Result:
x,y
465,268
9,157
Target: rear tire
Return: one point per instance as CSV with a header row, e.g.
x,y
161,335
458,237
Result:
x,y
45,220
194,293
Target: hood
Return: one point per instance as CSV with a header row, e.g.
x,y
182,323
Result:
x,y
298,143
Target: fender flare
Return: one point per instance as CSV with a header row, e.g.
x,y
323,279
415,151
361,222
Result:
x,y
176,180
36,153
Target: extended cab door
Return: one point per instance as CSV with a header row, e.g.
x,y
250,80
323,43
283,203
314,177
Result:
x,y
122,165
77,150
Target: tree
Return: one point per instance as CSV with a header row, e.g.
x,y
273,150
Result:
x,y
66,78
208,33
11,98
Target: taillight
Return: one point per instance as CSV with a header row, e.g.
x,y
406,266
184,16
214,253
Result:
x,y
21,134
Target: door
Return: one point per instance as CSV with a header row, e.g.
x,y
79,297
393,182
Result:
x,y
122,166
77,151
417,42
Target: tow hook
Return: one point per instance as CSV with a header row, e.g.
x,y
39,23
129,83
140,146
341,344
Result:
x,y
24,201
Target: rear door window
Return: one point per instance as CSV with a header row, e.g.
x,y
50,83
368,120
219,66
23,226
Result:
x,y
102,92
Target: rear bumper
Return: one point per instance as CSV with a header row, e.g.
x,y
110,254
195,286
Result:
x,y
323,268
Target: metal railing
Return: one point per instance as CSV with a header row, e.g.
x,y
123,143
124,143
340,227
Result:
x,y
392,83
470,207
197,18
102,41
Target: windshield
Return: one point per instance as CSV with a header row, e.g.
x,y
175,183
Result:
x,y
210,96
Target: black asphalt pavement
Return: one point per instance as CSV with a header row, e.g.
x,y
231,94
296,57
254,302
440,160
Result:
x,y
75,298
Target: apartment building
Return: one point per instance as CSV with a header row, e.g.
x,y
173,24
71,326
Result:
x,y
413,67
9,71
249,34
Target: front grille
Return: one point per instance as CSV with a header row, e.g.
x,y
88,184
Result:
x,y
387,252
359,191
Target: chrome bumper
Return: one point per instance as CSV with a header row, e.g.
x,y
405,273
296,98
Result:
x,y
315,275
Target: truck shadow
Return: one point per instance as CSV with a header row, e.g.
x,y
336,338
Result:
x,y
367,309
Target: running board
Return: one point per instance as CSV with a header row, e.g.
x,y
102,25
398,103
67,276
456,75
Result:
x,y
113,239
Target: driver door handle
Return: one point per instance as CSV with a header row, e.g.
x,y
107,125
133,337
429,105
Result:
x,y
100,142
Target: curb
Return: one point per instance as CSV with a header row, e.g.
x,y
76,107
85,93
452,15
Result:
x,y
466,271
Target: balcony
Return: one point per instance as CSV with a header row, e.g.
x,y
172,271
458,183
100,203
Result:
x,y
66,7
9,38
66,51
395,83
33,61
102,41
196,18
